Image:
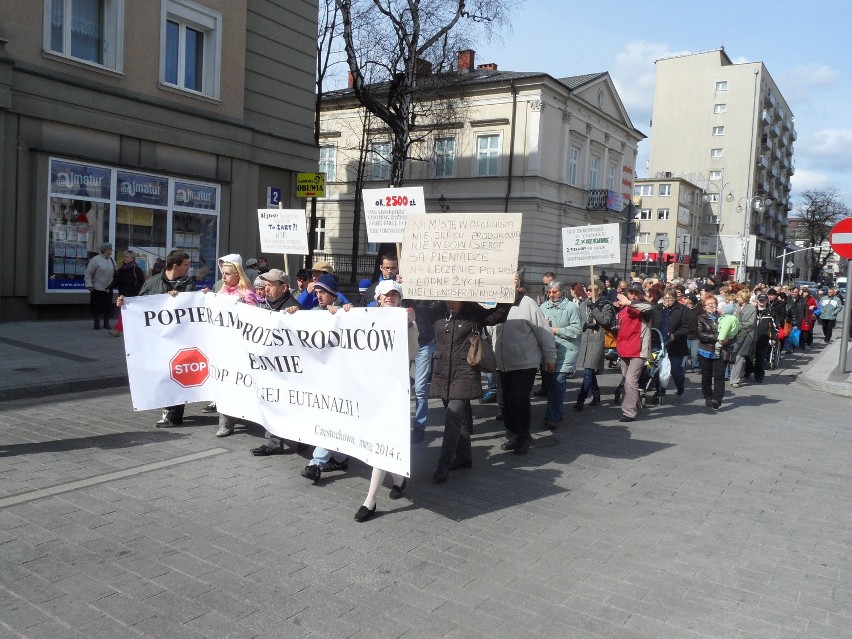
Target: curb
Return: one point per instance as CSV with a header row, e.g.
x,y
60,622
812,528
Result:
x,y
62,388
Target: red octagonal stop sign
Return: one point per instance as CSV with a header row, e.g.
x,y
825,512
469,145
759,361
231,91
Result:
x,y
189,367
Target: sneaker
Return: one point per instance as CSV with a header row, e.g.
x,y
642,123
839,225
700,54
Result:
x,y
396,491
578,406
596,401
334,464
312,472
552,423
490,397
164,421
714,405
210,408
224,431
266,451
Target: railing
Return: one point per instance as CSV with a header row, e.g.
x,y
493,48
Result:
x,y
342,263
604,200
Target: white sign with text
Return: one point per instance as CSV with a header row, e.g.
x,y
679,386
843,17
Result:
x,y
590,245
385,211
283,231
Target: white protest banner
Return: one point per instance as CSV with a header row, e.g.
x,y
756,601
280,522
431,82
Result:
x,y
461,256
283,231
385,211
338,381
590,245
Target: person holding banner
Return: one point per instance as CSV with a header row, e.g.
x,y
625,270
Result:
x,y
389,295
173,279
454,382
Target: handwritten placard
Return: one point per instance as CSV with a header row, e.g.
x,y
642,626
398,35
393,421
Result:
x,y
461,256
590,245
283,231
385,211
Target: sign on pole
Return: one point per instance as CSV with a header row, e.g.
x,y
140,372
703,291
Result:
x,y
283,231
590,245
310,185
840,238
461,256
385,211
273,197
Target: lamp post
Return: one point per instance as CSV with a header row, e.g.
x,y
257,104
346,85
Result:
x,y
720,190
757,204
684,245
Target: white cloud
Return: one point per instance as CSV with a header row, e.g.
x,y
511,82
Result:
x,y
812,75
830,149
802,180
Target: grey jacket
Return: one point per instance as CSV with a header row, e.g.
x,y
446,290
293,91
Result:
x,y
525,340
744,343
594,320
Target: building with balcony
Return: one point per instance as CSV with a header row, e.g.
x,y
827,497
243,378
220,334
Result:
x,y
150,125
561,151
727,128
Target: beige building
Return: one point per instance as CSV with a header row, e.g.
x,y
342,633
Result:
x,y
727,128
151,124
560,151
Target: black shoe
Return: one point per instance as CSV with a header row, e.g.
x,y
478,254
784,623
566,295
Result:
x,y
680,392
365,513
551,424
714,405
417,435
540,393
461,463
333,464
312,472
301,447
396,491
625,418
441,474
708,403
578,406
523,445
509,445
264,451
596,401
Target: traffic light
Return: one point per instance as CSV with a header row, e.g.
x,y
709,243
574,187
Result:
x,y
693,259
669,258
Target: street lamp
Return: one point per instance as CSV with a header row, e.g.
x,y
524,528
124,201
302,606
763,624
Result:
x,y
730,198
684,244
757,204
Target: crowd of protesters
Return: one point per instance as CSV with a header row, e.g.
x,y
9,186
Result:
x,y
725,331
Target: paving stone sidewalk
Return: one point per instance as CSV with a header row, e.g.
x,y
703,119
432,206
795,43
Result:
x,y
687,524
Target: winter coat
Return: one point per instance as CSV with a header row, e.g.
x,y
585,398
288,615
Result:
x,y
634,330
795,310
765,328
158,284
831,307
744,342
596,317
128,281
708,332
779,313
565,316
677,328
808,316
99,273
452,376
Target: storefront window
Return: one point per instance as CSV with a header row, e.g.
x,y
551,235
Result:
x,y
151,214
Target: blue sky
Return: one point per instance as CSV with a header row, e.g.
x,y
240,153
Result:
x,y
805,45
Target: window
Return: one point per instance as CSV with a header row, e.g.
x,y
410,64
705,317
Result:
x,y
716,175
720,108
380,161
722,85
665,189
611,176
190,47
327,162
487,154
445,157
594,166
644,238
319,234
573,165
712,197
644,214
718,130
662,214
715,153
644,189
712,219
87,30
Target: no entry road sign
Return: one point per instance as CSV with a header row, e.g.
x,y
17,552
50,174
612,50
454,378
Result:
x,y
840,238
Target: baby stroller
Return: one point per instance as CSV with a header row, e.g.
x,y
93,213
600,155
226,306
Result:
x,y
649,378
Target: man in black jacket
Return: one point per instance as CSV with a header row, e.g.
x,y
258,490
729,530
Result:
x,y
795,314
672,320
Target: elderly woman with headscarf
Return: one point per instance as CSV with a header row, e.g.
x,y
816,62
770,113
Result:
x,y
563,316
98,279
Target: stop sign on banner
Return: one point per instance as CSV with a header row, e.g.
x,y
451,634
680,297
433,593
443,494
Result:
x,y
189,367
841,238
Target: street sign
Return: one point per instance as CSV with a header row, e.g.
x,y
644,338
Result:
x,y
310,185
791,264
273,197
840,238
661,241
189,367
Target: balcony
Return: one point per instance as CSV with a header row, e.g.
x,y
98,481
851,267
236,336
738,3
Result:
x,y
765,117
763,161
793,134
765,142
775,130
604,200
785,122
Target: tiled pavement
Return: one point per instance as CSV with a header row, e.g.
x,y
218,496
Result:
x,y
686,524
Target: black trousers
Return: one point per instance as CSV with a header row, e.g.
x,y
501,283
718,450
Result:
x,y
712,378
827,328
516,400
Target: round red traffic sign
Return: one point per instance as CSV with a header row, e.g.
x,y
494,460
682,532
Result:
x,y
189,367
840,238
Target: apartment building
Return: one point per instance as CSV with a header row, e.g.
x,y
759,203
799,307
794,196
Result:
x,y
152,125
727,128
561,151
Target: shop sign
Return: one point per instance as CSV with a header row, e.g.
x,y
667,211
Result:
x,y
195,196
81,180
138,188
310,185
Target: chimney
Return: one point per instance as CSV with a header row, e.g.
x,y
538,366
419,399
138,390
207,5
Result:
x,y
465,60
487,67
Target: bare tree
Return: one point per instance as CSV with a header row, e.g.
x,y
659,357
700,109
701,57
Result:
x,y
395,43
818,211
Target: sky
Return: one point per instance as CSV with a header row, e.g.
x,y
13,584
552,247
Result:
x,y
806,46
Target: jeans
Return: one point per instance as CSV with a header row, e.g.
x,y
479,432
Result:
x,y
458,423
712,378
321,457
517,386
678,372
556,395
631,369
422,376
589,385
693,353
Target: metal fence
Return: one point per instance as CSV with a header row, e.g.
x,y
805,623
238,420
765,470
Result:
x,y
342,263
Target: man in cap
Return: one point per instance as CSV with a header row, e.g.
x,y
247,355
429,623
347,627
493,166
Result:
x,y
308,298
633,345
278,298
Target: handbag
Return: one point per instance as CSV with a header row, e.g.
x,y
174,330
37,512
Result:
x,y
480,355
665,369
795,333
609,340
